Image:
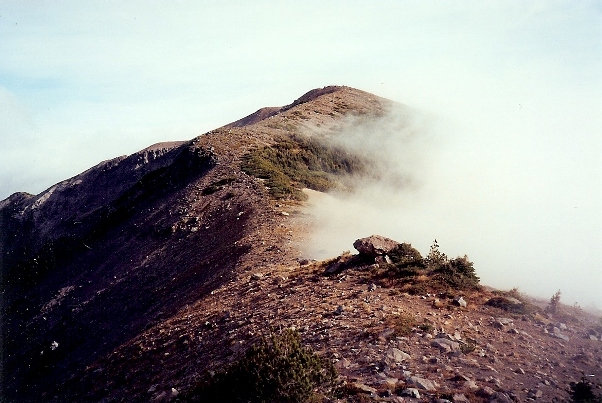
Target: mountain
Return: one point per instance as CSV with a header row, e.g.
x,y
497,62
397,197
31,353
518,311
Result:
x,y
137,278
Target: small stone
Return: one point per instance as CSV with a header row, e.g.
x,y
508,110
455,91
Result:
x,y
422,383
371,287
411,392
519,370
559,335
174,392
460,398
486,391
343,363
161,396
152,389
54,345
446,345
363,388
470,384
390,382
502,398
339,310
395,355
459,301
437,303
256,276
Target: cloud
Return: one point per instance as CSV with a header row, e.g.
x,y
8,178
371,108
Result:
x,y
511,180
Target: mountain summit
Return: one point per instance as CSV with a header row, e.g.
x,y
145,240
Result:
x,y
141,277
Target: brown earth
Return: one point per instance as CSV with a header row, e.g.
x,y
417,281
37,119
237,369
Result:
x,y
136,277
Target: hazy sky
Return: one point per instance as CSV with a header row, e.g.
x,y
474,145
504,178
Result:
x,y
516,88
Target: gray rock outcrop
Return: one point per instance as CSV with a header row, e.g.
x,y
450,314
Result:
x,y
375,245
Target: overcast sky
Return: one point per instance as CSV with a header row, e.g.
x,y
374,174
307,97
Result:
x,y
518,84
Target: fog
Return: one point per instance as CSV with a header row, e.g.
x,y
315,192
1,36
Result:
x,y
521,210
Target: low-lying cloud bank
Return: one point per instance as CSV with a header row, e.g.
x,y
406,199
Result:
x,y
522,215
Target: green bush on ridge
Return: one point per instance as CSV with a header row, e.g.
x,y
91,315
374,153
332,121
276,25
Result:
x,y
292,163
278,369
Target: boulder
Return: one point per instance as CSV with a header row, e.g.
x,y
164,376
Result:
x,y
375,245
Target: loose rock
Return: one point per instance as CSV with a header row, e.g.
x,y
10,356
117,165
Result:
x,y
375,245
459,301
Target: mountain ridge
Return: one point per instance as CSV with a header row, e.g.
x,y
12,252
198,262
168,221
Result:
x,y
144,273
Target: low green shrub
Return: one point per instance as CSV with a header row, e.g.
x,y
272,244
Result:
x,y
554,303
435,258
406,261
295,162
278,369
468,346
458,273
426,326
404,324
583,392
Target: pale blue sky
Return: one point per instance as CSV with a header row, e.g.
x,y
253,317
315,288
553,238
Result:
x,y
518,82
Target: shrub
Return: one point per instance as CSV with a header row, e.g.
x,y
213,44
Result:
x,y
435,258
406,261
554,303
278,369
426,326
459,273
468,346
404,324
295,162
582,392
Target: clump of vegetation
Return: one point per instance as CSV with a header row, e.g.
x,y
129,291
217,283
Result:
x,y
468,346
406,261
426,326
458,273
513,301
554,303
582,392
435,258
404,324
278,369
435,273
296,162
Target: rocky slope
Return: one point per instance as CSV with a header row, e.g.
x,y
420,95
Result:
x,y
132,280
